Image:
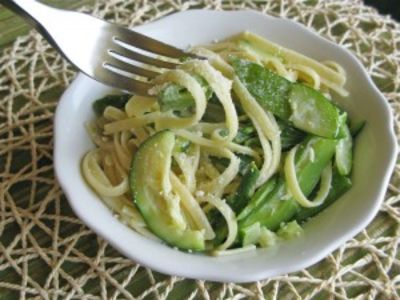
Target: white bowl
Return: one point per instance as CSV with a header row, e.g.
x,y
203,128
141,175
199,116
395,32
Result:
x,y
376,150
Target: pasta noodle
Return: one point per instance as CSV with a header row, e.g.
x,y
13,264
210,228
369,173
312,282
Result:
x,y
294,187
210,158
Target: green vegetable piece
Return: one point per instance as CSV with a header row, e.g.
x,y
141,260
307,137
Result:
x,y
245,189
258,197
356,128
290,136
290,230
149,164
253,143
344,152
313,113
117,101
277,206
181,145
342,126
251,235
269,89
245,163
241,198
305,107
340,185
214,111
218,223
177,98
244,133
221,231
267,238
221,163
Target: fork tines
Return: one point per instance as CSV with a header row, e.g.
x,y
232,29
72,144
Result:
x,y
133,60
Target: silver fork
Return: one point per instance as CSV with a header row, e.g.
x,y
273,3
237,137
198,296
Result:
x,y
106,52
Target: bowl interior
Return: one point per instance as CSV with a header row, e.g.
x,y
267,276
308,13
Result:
x,y
375,150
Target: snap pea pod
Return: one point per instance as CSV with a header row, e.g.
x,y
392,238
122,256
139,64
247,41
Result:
x,y
290,136
117,101
245,189
302,106
267,49
356,128
344,152
270,90
340,185
278,207
262,193
241,198
313,113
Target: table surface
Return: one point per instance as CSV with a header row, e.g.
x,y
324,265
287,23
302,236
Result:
x,y
391,7
45,252
12,26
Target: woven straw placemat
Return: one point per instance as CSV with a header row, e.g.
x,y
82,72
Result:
x,y
47,253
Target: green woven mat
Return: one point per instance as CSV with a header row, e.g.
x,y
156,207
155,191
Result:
x,y
47,253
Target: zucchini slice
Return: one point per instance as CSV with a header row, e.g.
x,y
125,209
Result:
x,y
149,167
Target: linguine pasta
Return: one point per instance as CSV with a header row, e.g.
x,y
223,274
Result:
x,y
193,187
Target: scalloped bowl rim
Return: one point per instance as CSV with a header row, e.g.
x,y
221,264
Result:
x,y
243,267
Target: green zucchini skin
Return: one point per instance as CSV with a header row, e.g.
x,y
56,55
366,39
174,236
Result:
x,y
145,183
